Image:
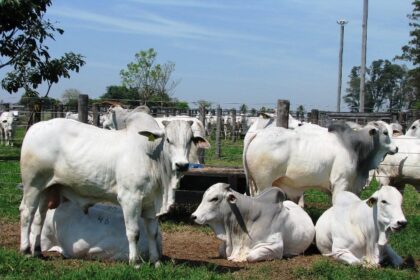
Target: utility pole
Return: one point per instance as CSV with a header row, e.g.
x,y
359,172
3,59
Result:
x,y
363,65
341,22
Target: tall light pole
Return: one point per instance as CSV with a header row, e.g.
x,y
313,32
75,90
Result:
x,y
363,65
341,22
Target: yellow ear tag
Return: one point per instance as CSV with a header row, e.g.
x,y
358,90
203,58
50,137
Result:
x,y
151,137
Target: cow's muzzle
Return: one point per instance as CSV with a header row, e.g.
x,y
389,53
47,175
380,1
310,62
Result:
x,y
182,167
400,225
393,152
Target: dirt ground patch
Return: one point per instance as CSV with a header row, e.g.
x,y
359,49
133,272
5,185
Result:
x,y
193,248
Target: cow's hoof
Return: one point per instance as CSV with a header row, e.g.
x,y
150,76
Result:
x,y
137,266
158,264
26,251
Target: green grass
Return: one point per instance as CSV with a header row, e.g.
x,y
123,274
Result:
x,y
329,269
231,154
15,266
10,196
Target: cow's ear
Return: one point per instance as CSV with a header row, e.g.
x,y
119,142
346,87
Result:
x,y
150,135
372,131
372,200
165,123
231,198
200,142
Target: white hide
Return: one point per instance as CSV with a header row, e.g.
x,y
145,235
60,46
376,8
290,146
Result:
x,y
98,234
199,133
301,159
414,129
7,128
137,168
403,167
356,233
255,228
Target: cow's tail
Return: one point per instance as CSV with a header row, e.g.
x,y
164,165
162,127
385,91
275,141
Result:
x,y
250,183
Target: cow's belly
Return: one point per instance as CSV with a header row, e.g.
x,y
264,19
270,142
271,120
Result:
x,y
302,174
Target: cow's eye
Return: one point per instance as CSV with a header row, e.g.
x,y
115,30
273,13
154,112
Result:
x,y
214,199
386,132
414,127
384,202
167,140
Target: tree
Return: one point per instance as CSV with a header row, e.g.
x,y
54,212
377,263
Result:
x,y
203,103
300,112
70,97
411,53
386,87
151,81
243,109
23,33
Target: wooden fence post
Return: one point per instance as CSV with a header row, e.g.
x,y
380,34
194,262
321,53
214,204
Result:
x,y
218,130
233,125
283,113
314,116
201,152
60,111
83,108
95,114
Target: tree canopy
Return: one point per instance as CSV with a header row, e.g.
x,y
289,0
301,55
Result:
x,y
151,80
411,51
23,35
387,88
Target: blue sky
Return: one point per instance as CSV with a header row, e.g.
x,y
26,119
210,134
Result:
x,y
228,52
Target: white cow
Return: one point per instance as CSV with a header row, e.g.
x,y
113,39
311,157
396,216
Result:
x,y
7,128
403,167
199,132
414,129
75,116
332,161
115,118
138,167
98,234
255,228
356,231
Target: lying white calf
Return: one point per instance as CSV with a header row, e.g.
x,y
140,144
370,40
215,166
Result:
x,y
356,231
255,228
99,234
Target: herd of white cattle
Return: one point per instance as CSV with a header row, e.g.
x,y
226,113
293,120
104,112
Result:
x,y
70,169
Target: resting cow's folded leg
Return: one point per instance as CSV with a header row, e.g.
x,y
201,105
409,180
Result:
x,y
267,250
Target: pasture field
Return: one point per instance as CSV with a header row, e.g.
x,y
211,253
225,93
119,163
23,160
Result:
x,y
190,251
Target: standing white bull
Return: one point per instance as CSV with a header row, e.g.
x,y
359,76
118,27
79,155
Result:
x,y
332,161
138,167
97,234
356,231
255,228
7,128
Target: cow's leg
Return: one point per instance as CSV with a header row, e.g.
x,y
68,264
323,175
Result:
x,y
28,207
268,250
340,253
395,259
152,236
131,208
37,224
